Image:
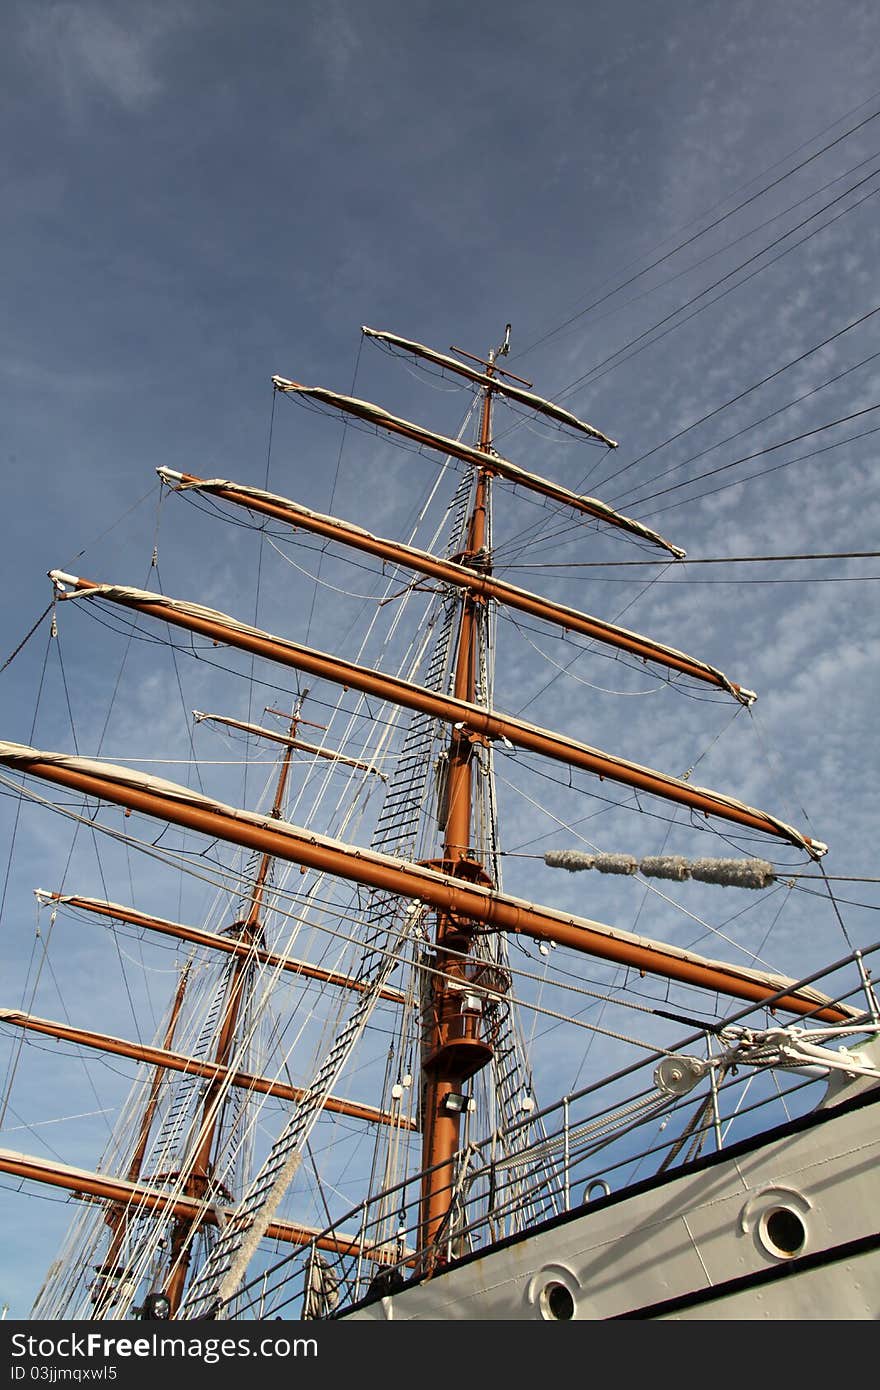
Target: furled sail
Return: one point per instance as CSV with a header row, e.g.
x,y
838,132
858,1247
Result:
x,y
494,383
479,458
446,893
460,575
468,719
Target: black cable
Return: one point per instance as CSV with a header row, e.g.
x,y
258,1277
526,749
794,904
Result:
x,y
813,453
759,453
690,240
609,363
780,410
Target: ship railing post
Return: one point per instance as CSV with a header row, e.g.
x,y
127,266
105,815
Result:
x,y
492,1197
566,1157
309,1283
713,1083
867,985
358,1273
453,1215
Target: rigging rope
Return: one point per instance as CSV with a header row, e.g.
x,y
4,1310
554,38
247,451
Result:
x,y
703,231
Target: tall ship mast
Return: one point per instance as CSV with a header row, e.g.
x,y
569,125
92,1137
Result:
x,y
339,1112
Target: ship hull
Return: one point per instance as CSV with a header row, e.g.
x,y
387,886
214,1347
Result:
x,y
779,1227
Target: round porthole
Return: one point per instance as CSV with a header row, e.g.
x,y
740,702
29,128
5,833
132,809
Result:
x,y
556,1303
782,1232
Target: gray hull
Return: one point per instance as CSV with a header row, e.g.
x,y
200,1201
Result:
x,y
780,1227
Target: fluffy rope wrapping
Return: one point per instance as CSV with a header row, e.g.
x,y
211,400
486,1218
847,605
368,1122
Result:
x,y
738,873
574,860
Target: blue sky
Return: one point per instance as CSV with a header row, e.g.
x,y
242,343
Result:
x,y
197,196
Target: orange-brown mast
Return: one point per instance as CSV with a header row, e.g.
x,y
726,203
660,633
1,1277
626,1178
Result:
x,y
453,1050
117,1217
250,933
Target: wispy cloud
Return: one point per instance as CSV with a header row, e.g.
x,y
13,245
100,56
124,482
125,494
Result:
x,y
335,39
93,50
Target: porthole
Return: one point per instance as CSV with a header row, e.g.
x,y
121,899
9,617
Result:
x,y
782,1232
554,1294
556,1303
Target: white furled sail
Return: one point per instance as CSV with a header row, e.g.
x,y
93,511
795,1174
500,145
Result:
x,y
181,805
492,463
460,574
504,388
465,716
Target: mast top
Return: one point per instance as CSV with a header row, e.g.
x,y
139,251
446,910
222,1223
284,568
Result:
x,y
490,361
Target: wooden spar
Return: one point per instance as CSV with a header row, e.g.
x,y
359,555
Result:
x,y
140,1198
478,458
472,902
443,892
286,740
490,381
471,719
484,586
214,942
166,1060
